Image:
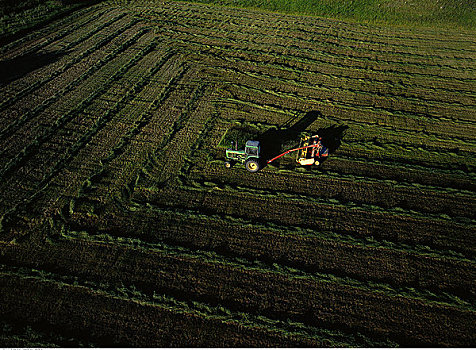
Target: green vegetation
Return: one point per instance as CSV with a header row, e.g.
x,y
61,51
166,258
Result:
x,y
431,13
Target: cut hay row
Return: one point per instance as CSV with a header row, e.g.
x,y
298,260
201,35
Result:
x,y
352,60
130,150
323,45
391,113
61,98
66,68
33,41
312,80
321,215
159,311
42,154
347,189
458,40
285,293
309,250
318,73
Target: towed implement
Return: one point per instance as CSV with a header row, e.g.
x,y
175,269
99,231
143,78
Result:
x,y
309,152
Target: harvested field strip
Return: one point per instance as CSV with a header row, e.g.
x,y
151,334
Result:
x,y
331,83
238,324
66,156
359,259
326,37
366,73
290,272
331,72
313,26
76,59
11,128
352,85
418,178
340,200
55,31
419,199
206,268
104,173
319,214
306,34
100,64
405,173
362,118
325,46
423,114
67,39
61,161
314,57
252,189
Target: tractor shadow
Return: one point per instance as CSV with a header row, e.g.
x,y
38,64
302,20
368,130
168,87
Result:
x,y
18,67
275,141
272,141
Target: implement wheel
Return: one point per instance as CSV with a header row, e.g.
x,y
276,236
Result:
x,y
252,165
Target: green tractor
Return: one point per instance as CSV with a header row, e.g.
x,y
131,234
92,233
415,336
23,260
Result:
x,y
249,156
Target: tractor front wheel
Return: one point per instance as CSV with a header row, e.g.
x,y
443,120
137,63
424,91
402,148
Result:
x,y
252,165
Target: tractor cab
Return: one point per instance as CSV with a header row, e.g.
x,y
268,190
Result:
x,y
249,156
252,149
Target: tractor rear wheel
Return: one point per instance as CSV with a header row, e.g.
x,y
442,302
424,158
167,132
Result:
x,y
252,165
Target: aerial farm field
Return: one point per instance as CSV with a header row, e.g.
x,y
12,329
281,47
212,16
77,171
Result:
x,y
120,225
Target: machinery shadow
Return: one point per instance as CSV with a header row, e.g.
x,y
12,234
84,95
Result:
x,y
273,141
332,136
17,67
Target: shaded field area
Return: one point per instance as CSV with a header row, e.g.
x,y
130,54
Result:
x,y
120,226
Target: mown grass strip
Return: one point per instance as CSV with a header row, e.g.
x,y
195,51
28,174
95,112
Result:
x,y
36,85
326,45
443,299
300,56
131,293
52,27
33,147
